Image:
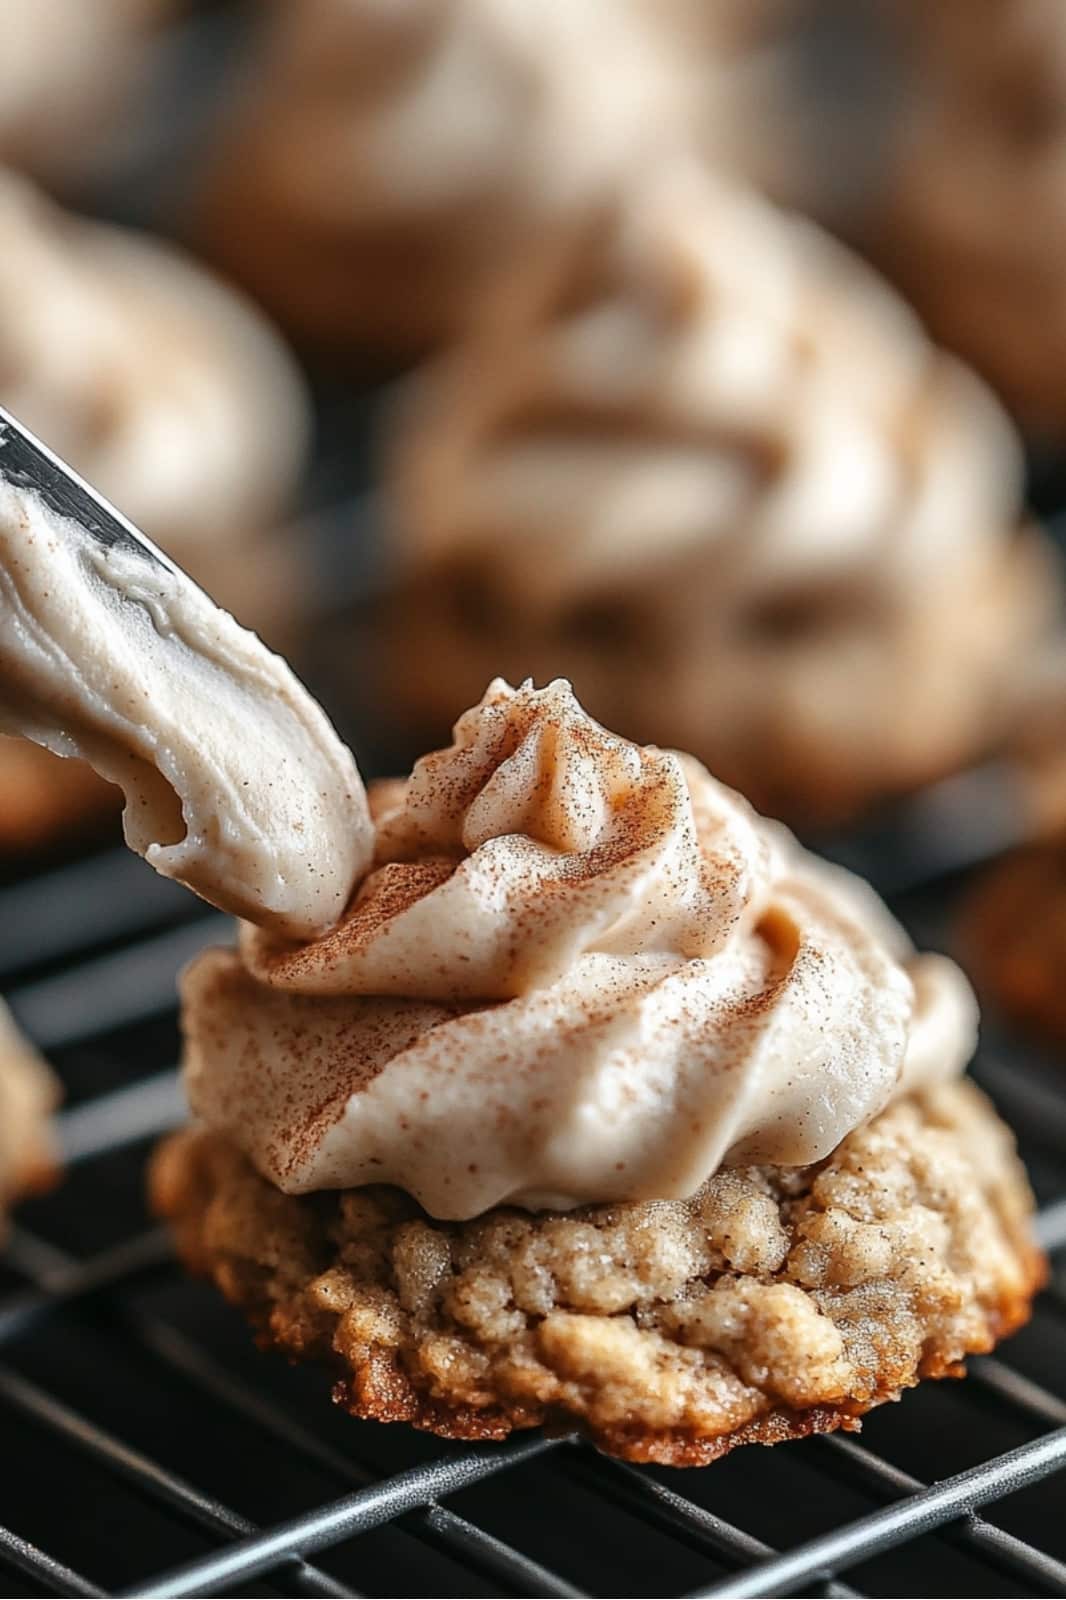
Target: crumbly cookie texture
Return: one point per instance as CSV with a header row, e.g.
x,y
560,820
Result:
x,y
1013,936
772,1304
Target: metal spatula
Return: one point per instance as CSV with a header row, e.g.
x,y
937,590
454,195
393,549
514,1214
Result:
x,y
26,463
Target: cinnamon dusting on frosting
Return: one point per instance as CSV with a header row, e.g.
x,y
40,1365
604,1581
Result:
x,y
575,970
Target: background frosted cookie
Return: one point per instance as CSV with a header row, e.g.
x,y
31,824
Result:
x,y
385,159
176,400
667,1111
972,219
751,105
702,461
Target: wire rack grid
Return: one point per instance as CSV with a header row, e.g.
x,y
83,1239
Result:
x,y
166,1458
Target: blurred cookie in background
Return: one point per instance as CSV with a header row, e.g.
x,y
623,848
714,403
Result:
x,y
970,220
1012,936
385,157
28,1094
75,79
1012,928
176,400
701,460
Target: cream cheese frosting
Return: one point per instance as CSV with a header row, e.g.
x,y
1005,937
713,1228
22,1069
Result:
x,y
576,970
235,782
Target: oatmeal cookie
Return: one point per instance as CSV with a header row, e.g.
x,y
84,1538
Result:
x,y
774,1303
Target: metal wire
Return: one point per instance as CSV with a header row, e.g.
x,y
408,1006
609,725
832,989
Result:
x,y
109,896
1013,1555
444,1528
43,1568
114,991
72,1280
665,1508
918,1514
341,1519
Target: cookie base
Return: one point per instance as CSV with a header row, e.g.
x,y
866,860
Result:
x,y
773,1304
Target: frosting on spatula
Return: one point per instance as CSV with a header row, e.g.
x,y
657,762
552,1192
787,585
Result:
x,y
236,783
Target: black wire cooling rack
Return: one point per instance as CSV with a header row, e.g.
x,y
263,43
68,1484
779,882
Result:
x,y
150,1450
147,1449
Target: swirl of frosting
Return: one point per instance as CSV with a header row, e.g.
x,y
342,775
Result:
x,y
576,970
387,157
703,462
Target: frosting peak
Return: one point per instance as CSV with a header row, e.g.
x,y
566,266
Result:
x,y
576,970
524,761
533,840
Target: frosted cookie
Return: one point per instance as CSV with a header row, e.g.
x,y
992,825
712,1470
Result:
x,y
703,462
384,159
550,1084
603,1106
